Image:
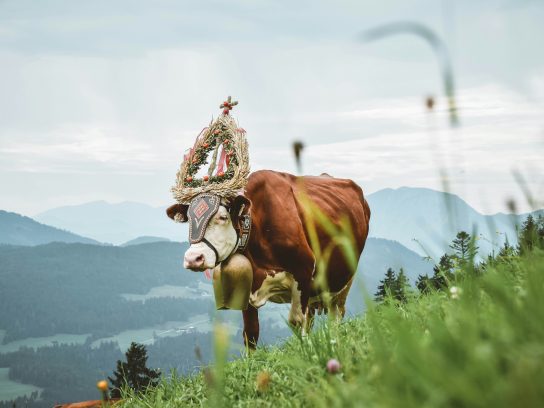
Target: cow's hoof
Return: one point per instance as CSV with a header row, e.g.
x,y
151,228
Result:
x,y
296,320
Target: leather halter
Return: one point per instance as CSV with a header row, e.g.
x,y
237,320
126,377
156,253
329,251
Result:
x,y
201,210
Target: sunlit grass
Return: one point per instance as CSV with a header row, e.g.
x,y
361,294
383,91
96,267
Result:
x,y
480,346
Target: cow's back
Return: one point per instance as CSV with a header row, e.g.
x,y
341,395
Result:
x,y
280,222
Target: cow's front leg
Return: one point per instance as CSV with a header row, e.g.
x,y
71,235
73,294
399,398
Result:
x,y
299,315
304,306
251,327
296,316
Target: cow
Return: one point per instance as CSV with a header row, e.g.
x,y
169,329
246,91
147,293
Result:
x,y
279,250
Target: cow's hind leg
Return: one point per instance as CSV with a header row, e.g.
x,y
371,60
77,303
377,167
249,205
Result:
x,y
338,302
302,263
251,327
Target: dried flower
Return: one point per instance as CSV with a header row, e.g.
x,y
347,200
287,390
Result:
x,y
198,354
429,102
262,382
208,377
333,366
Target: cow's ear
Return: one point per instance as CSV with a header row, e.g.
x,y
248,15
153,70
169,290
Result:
x,y
240,206
178,212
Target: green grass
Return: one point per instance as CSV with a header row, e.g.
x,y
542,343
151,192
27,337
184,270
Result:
x,y
484,348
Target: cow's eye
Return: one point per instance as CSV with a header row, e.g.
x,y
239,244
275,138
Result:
x,y
223,218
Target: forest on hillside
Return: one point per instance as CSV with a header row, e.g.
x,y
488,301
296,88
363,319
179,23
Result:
x,y
76,288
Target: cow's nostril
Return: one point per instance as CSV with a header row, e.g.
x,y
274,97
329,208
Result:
x,y
199,258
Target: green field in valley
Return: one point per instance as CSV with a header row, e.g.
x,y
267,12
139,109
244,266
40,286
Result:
x,y
10,389
35,342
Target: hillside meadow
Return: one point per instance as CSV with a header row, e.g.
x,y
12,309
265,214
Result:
x,y
477,343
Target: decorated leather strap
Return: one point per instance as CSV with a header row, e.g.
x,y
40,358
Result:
x,y
244,232
200,211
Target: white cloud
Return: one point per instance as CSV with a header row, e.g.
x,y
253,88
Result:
x,y
501,133
79,149
107,92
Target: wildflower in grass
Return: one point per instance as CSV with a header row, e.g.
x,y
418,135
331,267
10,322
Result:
x,y
102,385
262,382
333,366
455,292
103,388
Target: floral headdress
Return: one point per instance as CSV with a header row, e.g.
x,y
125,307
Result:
x,y
228,169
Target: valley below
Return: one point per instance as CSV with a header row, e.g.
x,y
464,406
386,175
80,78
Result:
x,y
70,306
70,311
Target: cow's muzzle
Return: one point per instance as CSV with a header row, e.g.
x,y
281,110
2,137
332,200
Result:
x,y
194,262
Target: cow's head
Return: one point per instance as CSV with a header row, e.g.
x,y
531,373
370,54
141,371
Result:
x,y
212,232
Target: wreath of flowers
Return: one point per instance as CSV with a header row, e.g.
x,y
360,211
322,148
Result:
x,y
226,174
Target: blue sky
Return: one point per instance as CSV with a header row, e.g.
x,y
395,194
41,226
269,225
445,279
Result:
x,y
100,99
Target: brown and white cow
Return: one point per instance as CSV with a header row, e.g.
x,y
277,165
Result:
x,y
279,248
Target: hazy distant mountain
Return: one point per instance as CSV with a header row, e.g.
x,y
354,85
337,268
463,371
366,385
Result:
x,y
403,214
145,240
378,255
16,229
115,223
433,218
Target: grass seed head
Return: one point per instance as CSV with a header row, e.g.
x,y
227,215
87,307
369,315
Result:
x,y
262,381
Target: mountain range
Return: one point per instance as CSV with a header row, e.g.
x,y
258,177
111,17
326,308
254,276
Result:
x,y
16,229
114,223
426,220
421,219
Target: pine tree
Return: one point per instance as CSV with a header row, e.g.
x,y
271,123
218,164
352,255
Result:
x,y
387,286
531,235
443,272
464,249
506,250
442,276
506,253
133,373
540,231
424,284
401,286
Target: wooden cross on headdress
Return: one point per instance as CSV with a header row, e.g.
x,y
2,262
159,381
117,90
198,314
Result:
x,y
227,105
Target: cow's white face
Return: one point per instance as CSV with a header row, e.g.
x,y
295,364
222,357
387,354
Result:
x,y
221,234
